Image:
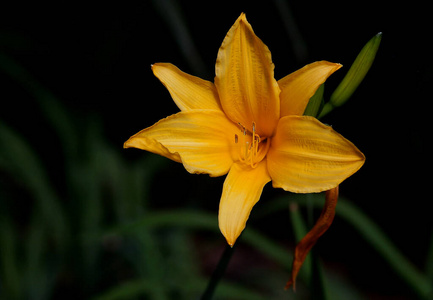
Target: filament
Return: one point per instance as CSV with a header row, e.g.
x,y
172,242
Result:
x,y
250,151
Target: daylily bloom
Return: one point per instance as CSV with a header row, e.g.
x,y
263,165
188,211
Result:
x,y
250,126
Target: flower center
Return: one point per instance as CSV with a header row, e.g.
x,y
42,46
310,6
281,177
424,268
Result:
x,y
252,148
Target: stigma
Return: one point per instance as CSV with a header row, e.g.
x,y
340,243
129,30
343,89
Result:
x,y
252,148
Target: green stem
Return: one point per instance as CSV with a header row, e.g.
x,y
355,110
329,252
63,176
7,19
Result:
x,y
218,273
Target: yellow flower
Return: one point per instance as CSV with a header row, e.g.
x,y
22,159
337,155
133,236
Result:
x,y
249,126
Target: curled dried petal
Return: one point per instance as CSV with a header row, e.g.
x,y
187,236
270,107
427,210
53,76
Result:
x,y
310,239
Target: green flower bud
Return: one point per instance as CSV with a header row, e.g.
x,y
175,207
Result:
x,y
355,75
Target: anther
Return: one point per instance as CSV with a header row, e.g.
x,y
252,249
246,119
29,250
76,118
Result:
x,y
251,151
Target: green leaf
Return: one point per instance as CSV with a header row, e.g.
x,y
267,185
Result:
x,y
19,158
135,288
9,262
51,106
374,236
300,230
193,219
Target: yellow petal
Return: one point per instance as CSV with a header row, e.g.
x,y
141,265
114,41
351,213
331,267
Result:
x,y
245,80
188,92
201,139
242,189
307,156
298,87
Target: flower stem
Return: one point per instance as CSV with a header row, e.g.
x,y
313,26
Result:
x,y
218,273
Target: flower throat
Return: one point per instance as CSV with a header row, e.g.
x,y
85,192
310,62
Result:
x,y
252,148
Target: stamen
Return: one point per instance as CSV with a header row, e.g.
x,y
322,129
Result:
x,y
252,150
242,128
246,151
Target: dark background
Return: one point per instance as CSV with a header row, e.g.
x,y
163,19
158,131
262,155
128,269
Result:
x,y
96,58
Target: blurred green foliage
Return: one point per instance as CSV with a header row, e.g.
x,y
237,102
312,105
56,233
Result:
x,y
71,237
88,228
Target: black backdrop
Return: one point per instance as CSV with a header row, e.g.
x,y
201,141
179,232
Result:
x,y
96,58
